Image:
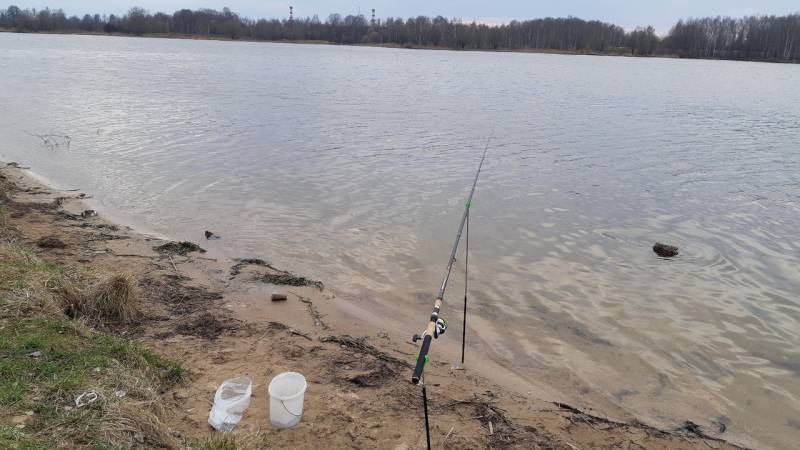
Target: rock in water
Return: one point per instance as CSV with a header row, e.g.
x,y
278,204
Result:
x,y
664,250
210,235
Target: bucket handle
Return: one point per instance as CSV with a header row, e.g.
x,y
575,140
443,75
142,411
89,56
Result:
x,y
287,409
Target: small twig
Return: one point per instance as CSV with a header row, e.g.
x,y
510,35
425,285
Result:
x,y
448,435
300,333
473,401
173,264
259,339
315,315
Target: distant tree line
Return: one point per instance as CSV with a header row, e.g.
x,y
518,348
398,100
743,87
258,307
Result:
x,y
769,38
772,38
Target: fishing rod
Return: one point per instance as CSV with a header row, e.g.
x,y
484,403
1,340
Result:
x,y
438,325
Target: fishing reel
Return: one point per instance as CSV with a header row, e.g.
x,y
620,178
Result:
x,y
439,329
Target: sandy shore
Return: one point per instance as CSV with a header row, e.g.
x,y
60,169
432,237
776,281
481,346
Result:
x,y
216,317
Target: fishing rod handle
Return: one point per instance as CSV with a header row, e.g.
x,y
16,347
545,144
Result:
x,y
423,355
426,341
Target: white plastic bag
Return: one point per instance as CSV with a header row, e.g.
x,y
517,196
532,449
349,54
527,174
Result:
x,y
230,402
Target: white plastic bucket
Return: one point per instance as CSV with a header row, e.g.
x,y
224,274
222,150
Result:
x,y
286,393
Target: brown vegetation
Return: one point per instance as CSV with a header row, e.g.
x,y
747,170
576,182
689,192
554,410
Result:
x,y
112,300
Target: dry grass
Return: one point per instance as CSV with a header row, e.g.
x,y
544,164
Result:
x,y
128,425
114,299
223,441
30,285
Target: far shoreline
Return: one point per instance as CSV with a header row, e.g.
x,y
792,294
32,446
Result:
x,y
546,51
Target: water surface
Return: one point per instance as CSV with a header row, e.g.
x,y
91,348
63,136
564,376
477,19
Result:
x,y
351,165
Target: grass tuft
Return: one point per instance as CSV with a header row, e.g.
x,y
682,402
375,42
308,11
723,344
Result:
x,y
219,441
112,300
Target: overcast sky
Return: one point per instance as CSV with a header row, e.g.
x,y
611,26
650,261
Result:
x,y
627,13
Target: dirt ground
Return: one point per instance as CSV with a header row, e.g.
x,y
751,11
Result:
x,y
217,318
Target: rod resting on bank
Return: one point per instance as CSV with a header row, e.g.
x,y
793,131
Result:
x,y
431,329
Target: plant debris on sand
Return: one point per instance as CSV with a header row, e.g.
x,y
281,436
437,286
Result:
x,y
208,326
360,345
288,279
179,298
50,242
178,248
241,263
273,275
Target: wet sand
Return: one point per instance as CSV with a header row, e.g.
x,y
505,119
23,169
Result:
x,y
220,323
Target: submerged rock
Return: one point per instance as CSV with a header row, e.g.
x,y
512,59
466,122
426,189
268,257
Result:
x,y
210,235
664,250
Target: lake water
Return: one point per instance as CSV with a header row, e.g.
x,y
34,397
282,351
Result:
x,y
351,165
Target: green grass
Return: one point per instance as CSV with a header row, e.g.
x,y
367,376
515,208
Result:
x,y
70,357
13,438
46,362
73,359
